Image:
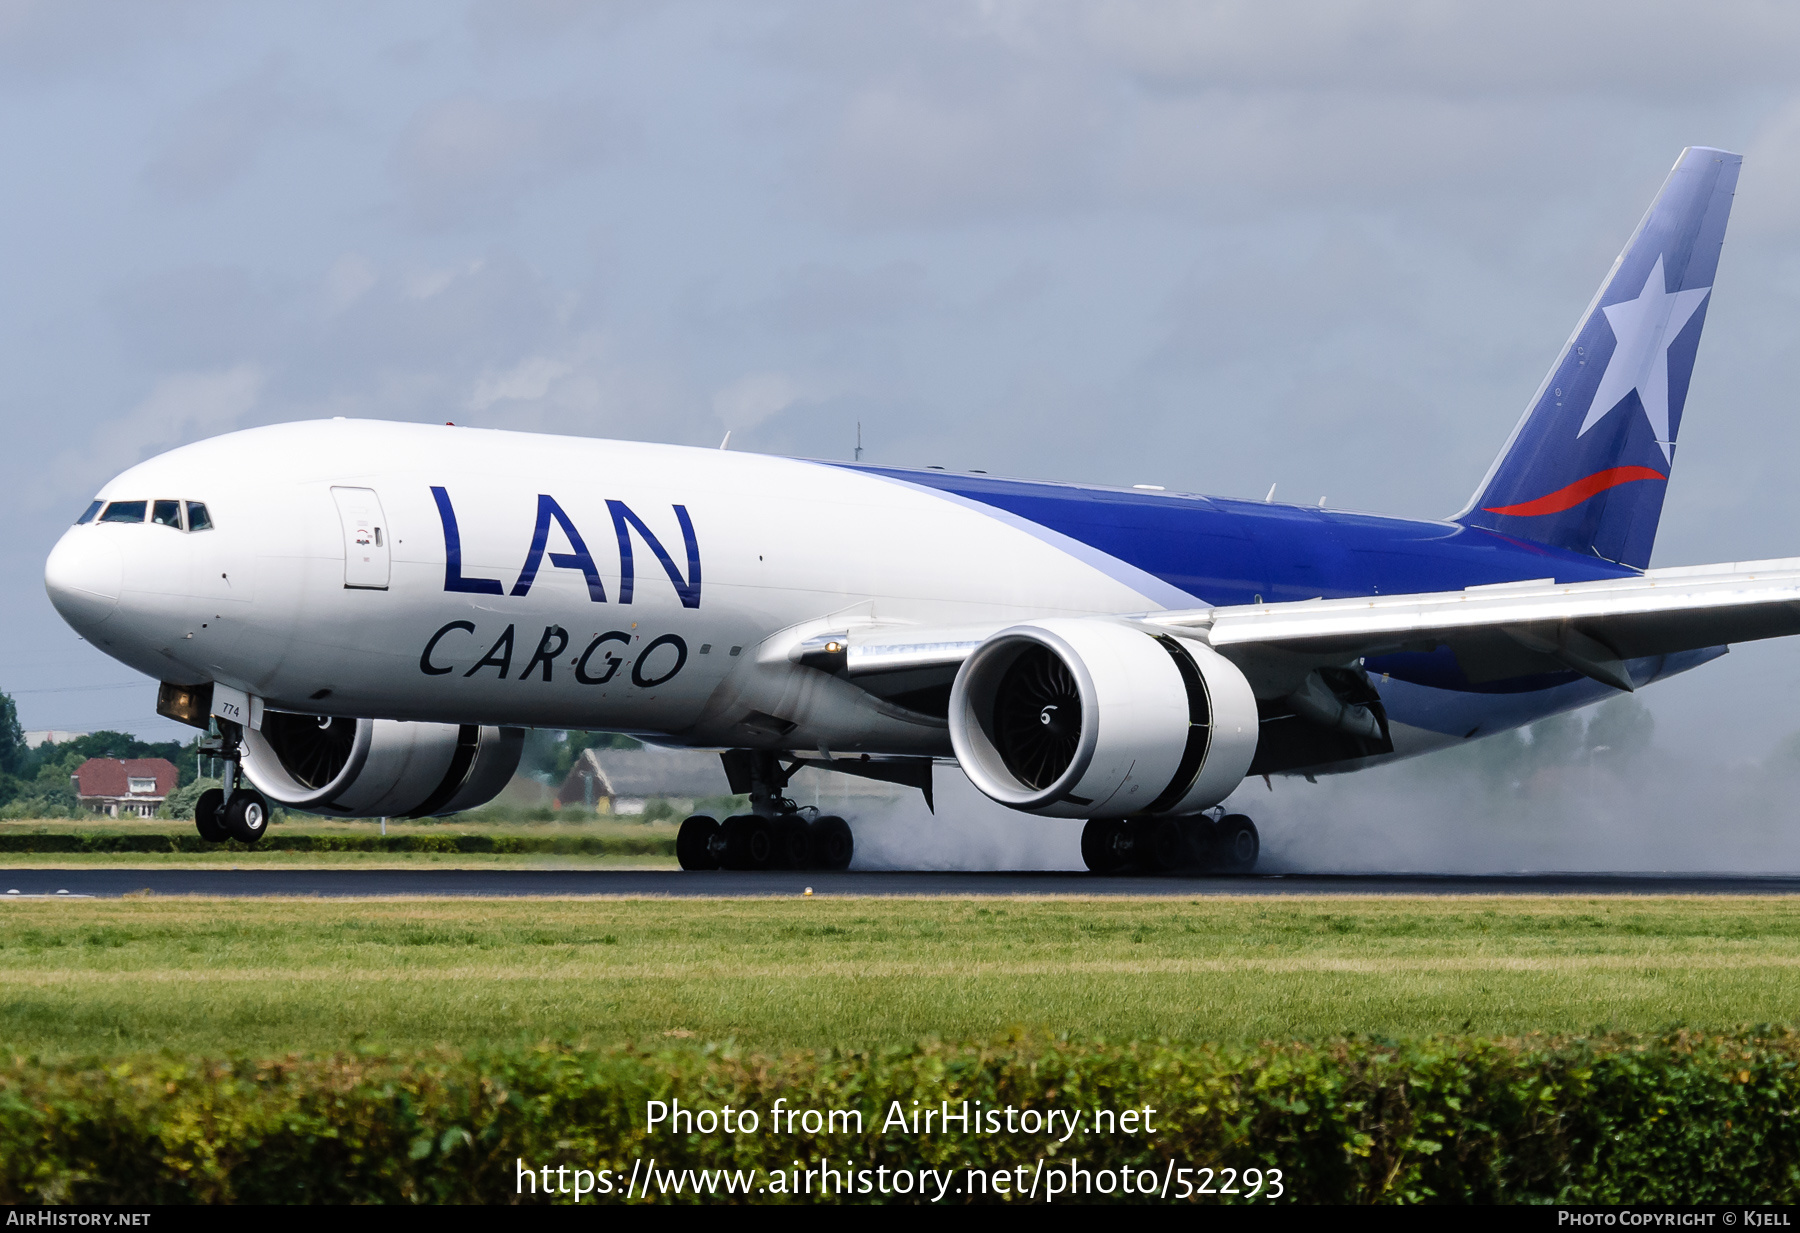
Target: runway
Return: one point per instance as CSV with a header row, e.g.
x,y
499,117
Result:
x,y
503,883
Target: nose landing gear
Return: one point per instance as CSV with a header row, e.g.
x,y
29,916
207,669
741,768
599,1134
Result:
x,y
1227,843
777,834
230,811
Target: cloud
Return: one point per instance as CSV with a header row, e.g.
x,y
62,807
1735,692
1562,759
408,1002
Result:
x,y
755,397
1768,201
45,38
203,401
527,381
909,148
820,297
527,22
202,315
587,384
347,281
477,316
490,338
961,112
1443,48
213,143
470,161
180,407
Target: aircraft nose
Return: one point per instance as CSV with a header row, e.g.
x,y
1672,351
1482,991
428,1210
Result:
x,y
84,575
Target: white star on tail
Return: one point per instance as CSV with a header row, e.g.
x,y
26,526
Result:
x,y
1644,328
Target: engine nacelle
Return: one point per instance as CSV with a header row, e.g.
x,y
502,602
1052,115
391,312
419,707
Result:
x,y
1095,718
368,768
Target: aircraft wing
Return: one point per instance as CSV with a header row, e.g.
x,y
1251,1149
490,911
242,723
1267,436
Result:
x,y
1504,630
1512,629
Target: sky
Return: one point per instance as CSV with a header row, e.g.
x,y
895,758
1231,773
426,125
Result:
x,y
1215,246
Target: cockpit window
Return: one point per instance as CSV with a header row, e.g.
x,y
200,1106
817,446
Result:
x,y
88,514
166,514
124,511
198,519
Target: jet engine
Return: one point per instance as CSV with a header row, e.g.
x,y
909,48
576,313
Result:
x,y
366,768
1097,718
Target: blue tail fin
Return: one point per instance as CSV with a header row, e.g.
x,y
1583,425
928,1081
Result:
x,y
1587,467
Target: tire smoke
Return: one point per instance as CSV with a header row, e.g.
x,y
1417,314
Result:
x,y
968,831
1579,793
1585,792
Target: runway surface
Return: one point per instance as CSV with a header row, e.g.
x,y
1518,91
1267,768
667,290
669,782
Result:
x,y
506,883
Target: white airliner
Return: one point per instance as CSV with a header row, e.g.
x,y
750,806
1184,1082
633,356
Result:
x,y
369,614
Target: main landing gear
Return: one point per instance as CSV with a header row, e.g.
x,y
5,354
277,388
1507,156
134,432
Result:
x,y
777,834
230,812
1206,843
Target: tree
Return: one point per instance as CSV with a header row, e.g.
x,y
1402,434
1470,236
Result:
x,y
181,801
1498,763
1559,740
108,744
12,737
1625,727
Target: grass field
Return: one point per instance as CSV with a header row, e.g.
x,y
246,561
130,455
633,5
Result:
x,y
273,976
333,826
324,860
235,856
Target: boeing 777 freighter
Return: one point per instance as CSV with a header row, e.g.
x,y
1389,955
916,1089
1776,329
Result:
x,y
367,615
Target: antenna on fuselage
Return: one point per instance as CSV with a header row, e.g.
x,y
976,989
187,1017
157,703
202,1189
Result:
x,y
1271,495
859,440
727,440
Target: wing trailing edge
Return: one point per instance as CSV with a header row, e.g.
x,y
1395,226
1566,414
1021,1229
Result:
x,y
1594,628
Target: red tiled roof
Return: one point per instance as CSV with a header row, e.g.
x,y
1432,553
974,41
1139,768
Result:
x,y
113,776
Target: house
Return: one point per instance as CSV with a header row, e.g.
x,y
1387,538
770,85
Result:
x,y
124,787
524,792
625,780
49,736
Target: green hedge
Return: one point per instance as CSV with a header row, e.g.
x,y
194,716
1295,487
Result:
x,y
647,844
1678,1118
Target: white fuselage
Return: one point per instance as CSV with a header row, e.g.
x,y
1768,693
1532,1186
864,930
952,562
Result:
x,y
284,597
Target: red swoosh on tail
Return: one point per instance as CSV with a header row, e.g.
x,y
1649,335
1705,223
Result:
x,y
1576,493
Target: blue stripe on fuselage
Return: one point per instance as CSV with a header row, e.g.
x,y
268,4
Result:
x,y
1232,552
1229,552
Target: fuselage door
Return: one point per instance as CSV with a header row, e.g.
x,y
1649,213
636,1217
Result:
x,y
366,539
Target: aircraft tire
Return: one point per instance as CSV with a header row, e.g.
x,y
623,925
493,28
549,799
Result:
x,y
833,843
246,815
1236,845
1106,847
206,816
749,843
793,844
1167,845
694,843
